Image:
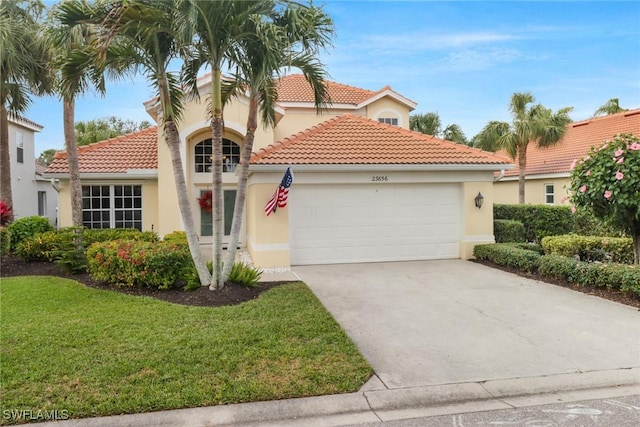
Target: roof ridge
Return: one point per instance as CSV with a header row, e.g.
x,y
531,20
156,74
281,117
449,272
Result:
x,y
625,113
344,85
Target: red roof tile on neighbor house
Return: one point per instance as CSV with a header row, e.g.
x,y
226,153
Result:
x,y
577,141
295,88
350,139
137,150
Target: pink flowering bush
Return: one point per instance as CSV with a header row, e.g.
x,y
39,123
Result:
x,y
606,183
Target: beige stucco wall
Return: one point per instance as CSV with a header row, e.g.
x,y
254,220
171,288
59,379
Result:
x,y
267,236
387,107
150,217
506,192
478,223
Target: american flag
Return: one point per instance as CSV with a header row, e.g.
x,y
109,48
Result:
x,y
279,198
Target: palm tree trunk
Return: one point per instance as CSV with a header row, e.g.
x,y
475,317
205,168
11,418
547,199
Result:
x,y
636,248
522,164
218,214
5,159
173,140
241,194
72,157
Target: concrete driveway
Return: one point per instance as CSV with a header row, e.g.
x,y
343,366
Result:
x,y
441,322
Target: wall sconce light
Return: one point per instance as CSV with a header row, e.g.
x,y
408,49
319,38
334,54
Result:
x,y
479,200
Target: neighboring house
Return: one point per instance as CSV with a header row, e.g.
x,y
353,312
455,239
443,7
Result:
x,y
548,169
32,193
366,188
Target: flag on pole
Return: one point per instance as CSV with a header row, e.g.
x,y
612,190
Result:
x,y
279,198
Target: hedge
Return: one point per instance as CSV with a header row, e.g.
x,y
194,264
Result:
x,y
508,255
539,220
591,248
26,227
133,263
507,230
592,274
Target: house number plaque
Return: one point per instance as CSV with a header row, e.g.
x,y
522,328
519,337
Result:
x,y
379,178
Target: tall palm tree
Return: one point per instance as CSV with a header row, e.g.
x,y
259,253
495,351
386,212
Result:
x,y
612,106
141,35
292,41
217,28
24,60
533,124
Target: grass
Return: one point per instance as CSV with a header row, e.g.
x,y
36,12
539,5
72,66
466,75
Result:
x,y
94,353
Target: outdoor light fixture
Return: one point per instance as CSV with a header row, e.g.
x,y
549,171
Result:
x,y
479,200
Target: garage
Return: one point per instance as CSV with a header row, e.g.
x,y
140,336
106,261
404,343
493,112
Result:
x,y
374,222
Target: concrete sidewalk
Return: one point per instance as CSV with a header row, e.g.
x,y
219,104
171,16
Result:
x,y
377,405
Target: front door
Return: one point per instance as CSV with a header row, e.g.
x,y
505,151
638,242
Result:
x,y
206,218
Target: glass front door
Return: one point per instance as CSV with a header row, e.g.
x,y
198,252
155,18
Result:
x,y
206,218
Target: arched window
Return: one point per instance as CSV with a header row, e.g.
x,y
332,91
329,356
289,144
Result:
x,y
204,151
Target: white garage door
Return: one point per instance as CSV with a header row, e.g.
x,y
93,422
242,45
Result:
x,y
368,223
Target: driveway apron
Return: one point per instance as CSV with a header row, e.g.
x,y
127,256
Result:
x,y
440,322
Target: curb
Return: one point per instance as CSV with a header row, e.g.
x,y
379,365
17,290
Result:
x,y
386,405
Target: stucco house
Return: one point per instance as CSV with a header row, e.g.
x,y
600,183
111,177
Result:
x,y
32,193
365,188
549,169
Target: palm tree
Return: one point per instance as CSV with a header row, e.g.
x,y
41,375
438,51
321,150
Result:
x,y
294,39
217,28
612,106
427,123
531,125
141,35
24,60
454,133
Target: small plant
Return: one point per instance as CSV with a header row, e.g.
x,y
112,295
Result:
x,y
71,256
26,227
244,275
175,237
5,213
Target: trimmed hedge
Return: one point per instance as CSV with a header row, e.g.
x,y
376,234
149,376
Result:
x,y
592,274
539,220
24,228
508,230
162,265
49,246
591,248
508,255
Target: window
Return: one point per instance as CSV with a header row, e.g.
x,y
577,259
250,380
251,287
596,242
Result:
x,y
204,151
112,206
548,194
388,120
42,203
20,147
206,218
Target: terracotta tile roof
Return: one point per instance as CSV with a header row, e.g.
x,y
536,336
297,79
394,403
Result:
x,y
580,136
295,88
350,139
137,150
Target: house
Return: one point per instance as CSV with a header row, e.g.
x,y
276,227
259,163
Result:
x,y
366,187
548,169
32,193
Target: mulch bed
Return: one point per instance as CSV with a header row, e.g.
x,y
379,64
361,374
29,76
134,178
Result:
x,y
11,266
626,298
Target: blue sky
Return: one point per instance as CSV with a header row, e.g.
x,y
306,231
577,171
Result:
x,y
461,59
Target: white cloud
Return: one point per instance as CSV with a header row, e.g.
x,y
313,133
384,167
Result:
x,y
422,40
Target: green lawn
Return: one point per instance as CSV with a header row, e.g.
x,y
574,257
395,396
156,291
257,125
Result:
x,y
92,352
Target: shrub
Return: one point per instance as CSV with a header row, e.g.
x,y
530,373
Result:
x,y
160,265
41,247
591,248
508,255
539,220
5,240
176,237
613,276
5,213
507,230
245,275
586,224
107,234
26,227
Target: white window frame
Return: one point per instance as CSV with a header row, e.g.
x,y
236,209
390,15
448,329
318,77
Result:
x,y
19,147
393,121
42,203
111,208
548,194
202,161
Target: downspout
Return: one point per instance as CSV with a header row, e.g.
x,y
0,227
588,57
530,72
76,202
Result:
x,y
499,177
